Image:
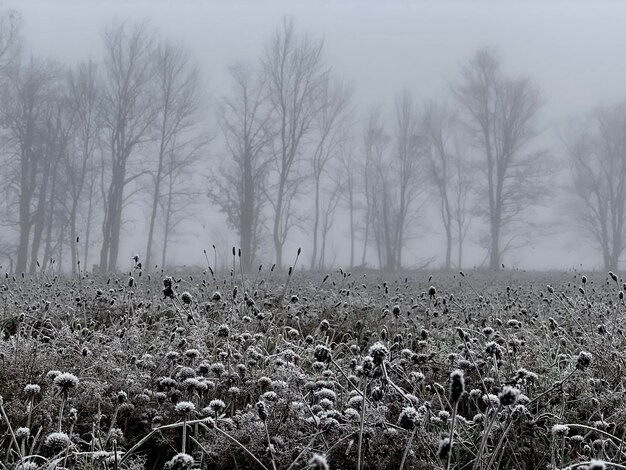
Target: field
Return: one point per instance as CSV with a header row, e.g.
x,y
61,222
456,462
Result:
x,y
346,371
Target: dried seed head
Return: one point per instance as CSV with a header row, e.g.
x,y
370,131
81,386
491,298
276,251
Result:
x,y
185,407
379,352
322,353
597,465
217,406
57,440
65,381
186,298
560,430
583,360
318,462
181,461
261,409
31,390
444,448
122,397
22,433
408,418
457,385
508,395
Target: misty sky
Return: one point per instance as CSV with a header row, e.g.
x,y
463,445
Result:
x,y
573,50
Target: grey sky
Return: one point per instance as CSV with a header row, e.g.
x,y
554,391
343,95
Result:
x,y
573,50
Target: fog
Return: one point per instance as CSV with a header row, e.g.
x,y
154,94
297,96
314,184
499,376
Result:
x,y
570,51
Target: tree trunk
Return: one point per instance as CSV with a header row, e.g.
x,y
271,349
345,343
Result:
x,y
494,256
247,216
460,232
111,235
278,245
153,214
116,229
448,248
351,228
22,251
88,227
27,183
316,222
50,219
168,214
40,218
73,235
106,229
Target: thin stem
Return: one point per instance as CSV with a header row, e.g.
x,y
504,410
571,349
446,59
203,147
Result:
x,y
359,450
228,436
113,420
599,431
554,387
483,443
270,446
396,388
304,450
499,445
143,440
454,410
408,447
13,438
184,444
61,411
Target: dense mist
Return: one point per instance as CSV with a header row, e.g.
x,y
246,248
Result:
x,y
392,135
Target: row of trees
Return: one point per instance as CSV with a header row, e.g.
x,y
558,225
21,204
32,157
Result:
x,y
290,128
477,158
82,144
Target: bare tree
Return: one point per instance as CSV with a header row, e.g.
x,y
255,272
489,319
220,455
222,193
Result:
x,y
180,191
83,95
375,142
450,174
597,152
327,210
349,195
296,76
57,130
330,129
30,99
176,131
500,114
461,194
438,126
128,114
237,187
380,180
10,40
10,48
394,180
408,158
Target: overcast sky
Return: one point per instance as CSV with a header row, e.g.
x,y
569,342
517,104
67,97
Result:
x,y
574,50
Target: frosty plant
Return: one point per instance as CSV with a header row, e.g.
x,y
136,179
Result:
x,y
185,408
64,382
457,387
30,391
507,397
121,398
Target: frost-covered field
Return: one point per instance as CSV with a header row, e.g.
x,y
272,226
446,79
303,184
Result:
x,y
474,371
